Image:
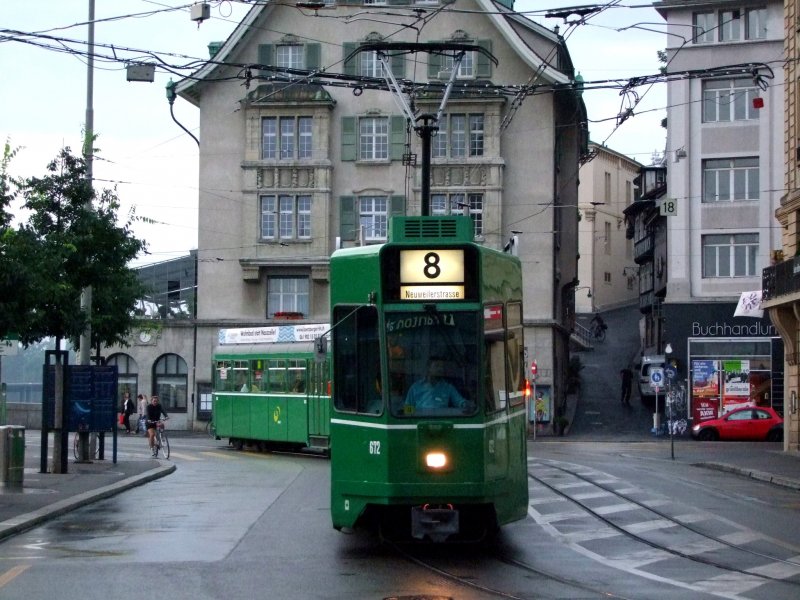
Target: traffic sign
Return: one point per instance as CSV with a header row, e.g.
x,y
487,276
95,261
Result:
x,y
656,377
670,373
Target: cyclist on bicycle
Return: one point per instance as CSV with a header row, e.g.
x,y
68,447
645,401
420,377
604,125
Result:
x,y
597,323
152,415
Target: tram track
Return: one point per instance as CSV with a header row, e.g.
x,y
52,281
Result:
x,y
660,521
501,557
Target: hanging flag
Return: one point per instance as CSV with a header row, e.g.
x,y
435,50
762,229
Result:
x,y
749,305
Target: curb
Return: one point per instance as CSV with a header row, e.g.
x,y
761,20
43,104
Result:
x,y
29,520
786,482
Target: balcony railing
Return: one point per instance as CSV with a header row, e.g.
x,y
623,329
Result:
x,y
781,279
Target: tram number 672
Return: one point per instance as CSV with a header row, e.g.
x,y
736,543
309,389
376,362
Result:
x,y
374,447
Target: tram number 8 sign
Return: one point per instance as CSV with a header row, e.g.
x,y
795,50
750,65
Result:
x,y
432,274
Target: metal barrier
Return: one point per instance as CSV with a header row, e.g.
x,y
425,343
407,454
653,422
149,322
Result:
x,y
583,335
12,456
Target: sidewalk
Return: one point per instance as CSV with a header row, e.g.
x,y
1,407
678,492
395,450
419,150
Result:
x,y
45,496
763,461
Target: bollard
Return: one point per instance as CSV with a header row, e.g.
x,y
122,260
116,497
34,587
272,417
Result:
x,y
12,456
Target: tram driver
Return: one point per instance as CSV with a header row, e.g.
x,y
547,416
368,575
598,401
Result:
x,y
434,392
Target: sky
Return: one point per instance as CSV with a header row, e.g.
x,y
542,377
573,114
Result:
x,y
153,163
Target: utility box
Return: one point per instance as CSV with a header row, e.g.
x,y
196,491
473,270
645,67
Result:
x,y
12,456
200,11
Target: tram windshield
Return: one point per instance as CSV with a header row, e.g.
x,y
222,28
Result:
x,y
432,362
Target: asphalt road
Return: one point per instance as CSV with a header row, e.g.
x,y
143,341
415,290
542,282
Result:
x,y
238,524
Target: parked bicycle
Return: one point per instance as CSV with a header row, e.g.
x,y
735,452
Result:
x,y
76,446
161,440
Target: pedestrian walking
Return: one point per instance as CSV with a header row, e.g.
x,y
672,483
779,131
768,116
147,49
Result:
x,y
627,382
127,410
141,408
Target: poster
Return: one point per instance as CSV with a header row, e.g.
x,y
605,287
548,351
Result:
x,y
705,409
705,379
541,406
736,390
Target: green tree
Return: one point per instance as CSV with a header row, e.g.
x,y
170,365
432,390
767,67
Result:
x,y
13,276
72,240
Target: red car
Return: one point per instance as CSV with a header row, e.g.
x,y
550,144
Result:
x,y
747,423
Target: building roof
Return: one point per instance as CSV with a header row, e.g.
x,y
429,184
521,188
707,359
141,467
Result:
x,y
504,20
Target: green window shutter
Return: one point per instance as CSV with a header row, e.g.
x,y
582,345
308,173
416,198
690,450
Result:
x,y
350,66
265,56
398,2
434,65
313,52
347,218
346,2
484,63
397,137
349,139
398,63
398,206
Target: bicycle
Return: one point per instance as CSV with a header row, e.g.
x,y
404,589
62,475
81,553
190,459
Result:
x,y
76,446
161,440
599,331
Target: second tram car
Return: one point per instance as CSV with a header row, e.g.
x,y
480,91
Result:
x,y
274,395
428,425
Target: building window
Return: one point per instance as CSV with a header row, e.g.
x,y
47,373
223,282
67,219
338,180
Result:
x,y
466,69
170,382
287,294
373,139
289,56
607,239
729,100
286,137
285,217
369,65
704,27
730,180
373,217
756,23
607,277
730,255
729,25
459,135
628,192
454,204
607,187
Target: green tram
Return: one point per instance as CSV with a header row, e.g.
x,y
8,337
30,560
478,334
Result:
x,y
272,395
428,427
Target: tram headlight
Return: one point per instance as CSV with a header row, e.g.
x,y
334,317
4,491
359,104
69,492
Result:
x,y
436,460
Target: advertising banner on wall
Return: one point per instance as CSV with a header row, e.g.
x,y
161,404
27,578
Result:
x,y
541,407
705,409
736,391
271,335
705,379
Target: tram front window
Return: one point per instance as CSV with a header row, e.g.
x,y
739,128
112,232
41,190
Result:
x,y
433,363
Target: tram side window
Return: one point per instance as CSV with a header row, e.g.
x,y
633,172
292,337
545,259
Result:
x,y
298,376
257,375
277,376
494,370
357,360
223,380
240,376
318,378
515,353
